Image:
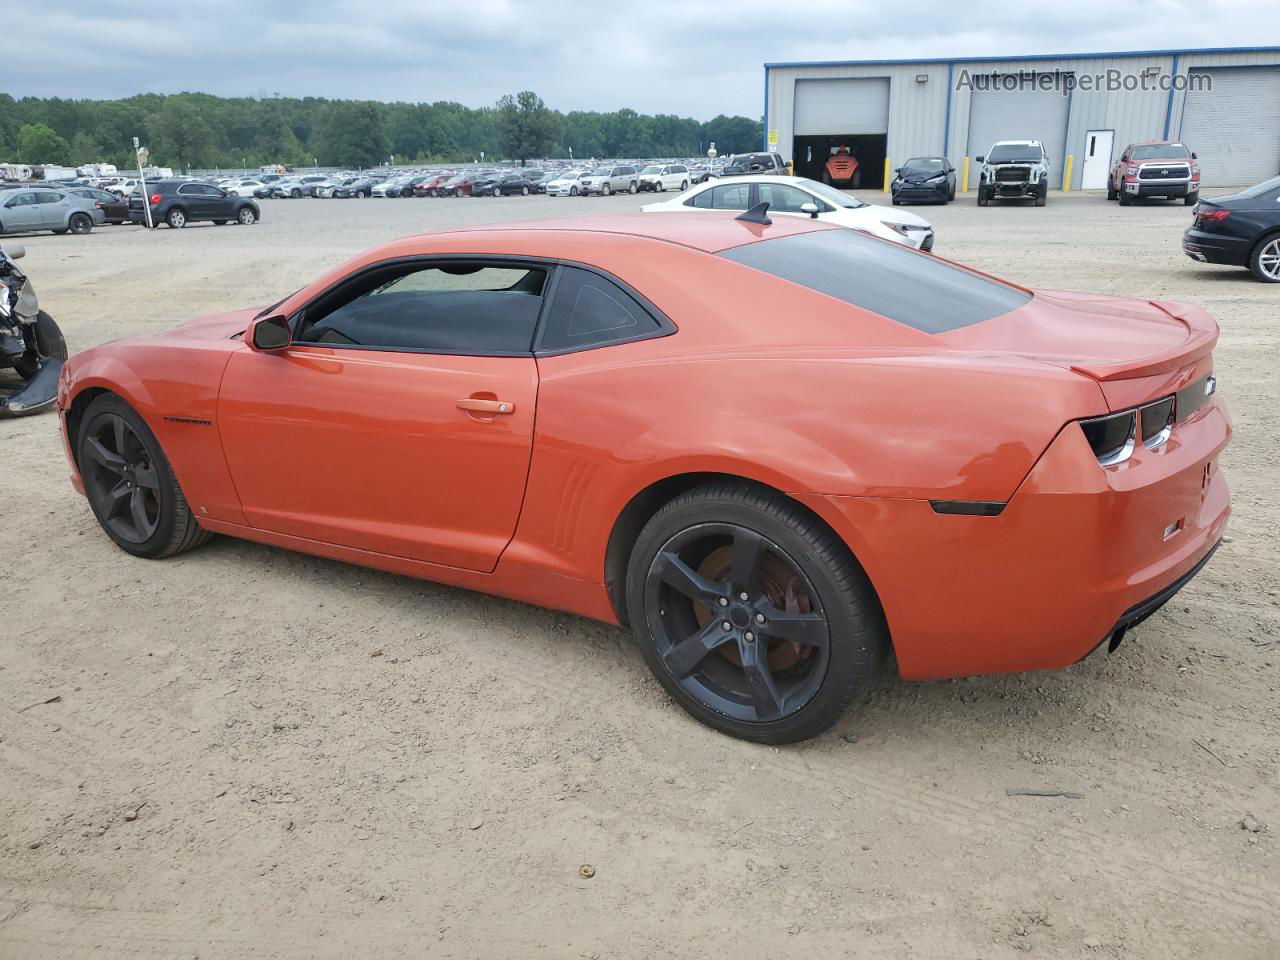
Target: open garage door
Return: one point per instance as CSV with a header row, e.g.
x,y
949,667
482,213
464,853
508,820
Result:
x,y
1234,128
838,115
1020,115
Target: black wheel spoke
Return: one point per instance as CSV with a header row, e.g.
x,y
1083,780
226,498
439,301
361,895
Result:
x,y
104,457
684,657
138,511
748,549
119,428
675,573
146,478
764,692
116,497
809,629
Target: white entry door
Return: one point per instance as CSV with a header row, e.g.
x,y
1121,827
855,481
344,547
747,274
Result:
x,y
1097,159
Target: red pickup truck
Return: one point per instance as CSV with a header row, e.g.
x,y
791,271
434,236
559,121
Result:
x,y
1158,168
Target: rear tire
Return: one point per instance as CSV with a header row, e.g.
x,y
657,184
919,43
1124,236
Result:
x,y
176,218
633,188
814,662
1264,261
80,223
684,185
159,522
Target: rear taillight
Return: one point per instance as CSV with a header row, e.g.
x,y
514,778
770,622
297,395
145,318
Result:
x,y
155,199
1212,216
1113,438
98,204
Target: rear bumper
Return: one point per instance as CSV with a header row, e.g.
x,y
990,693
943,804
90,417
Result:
x,y
1079,551
1215,247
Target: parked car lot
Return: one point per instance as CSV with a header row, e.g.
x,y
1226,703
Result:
x,y
332,798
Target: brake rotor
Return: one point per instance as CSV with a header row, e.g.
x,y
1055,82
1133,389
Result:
x,y
783,588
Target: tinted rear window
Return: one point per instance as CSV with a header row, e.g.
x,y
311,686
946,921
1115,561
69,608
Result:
x,y
883,277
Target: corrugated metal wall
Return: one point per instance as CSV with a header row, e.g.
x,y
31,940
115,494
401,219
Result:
x,y
918,111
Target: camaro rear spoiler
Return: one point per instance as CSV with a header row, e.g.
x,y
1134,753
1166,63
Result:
x,y
1202,334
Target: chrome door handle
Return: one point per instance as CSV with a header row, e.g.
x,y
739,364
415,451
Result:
x,y
473,405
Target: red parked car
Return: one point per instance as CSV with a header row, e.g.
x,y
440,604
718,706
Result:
x,y
431,186
778,451
1158,168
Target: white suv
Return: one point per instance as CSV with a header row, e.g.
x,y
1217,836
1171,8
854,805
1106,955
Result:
x,y
659,178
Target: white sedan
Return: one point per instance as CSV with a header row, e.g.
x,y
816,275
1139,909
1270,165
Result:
x,y
566,184
801,197
242,188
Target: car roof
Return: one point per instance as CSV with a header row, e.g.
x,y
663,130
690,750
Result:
x,y
710,232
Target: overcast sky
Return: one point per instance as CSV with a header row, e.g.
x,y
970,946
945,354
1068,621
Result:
x,y
687,57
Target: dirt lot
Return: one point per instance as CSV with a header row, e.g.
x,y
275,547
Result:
x,y
259,754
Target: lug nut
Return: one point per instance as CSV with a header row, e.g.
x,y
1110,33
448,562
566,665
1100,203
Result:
x,y
759,618
748,636
743,596
724,601
726,625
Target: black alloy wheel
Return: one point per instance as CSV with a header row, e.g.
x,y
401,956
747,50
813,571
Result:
x,y
752,614
129,483
121,479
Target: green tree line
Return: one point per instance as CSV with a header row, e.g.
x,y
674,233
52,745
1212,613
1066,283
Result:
x,y
202,131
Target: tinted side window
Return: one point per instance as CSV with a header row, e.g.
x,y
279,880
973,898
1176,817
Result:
x,y
45,196
882,277
784,199
732,196
470,309
21,200
701,200
589,310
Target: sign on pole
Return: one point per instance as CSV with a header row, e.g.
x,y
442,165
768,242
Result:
x,y
143,154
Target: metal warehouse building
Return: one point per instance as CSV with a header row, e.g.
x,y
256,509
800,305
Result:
x,y
1223,103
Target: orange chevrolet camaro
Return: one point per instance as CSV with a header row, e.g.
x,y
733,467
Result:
x,y
778,452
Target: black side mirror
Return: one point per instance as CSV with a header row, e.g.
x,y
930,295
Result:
x,y
980,158
1193,155
269,334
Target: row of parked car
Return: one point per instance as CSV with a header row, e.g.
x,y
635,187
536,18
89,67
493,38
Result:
x,y
564,181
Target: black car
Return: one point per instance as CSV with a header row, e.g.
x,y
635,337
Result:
x,y
502,184
924,179
360,187
115,209
1241,230
179,202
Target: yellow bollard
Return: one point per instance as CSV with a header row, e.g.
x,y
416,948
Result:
x,y
1066,173
964,179
887,175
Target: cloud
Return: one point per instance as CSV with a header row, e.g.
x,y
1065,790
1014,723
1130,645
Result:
x,y
687,57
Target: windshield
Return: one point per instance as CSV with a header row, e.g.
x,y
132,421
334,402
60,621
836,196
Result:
x,y
924,165
602,171
651,169
832,195
1161,151
1014,153
571,175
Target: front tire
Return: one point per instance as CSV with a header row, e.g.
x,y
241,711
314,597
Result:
x,y
606,190
983,197
1042,196
130,485
1191,199
807,639
573,191
246,217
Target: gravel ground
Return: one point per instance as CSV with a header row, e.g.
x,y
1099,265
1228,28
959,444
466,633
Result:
x,y
260,754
